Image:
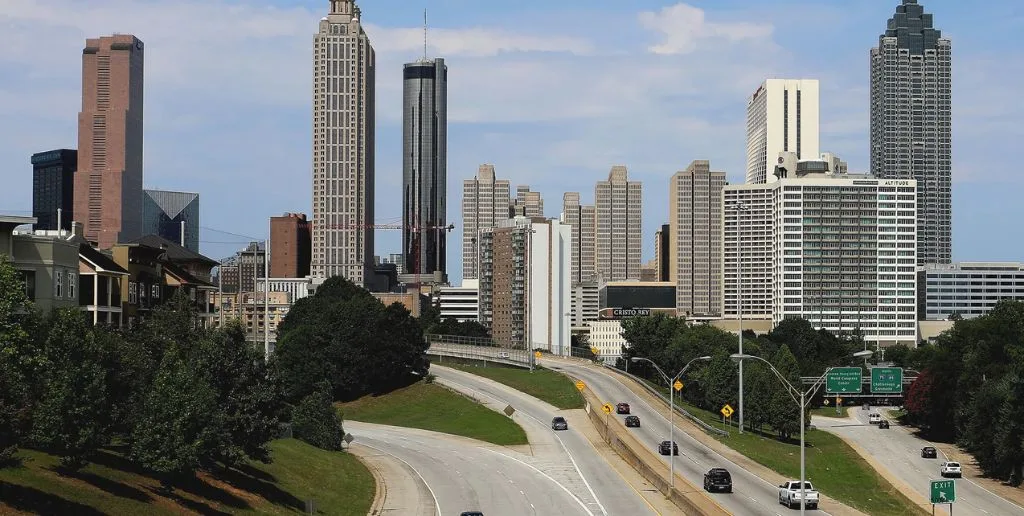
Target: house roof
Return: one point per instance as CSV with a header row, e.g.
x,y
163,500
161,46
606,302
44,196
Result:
x,y
184,276
175,252
98,259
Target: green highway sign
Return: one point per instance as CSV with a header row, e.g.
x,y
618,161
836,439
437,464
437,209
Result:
x,y
843,380
886,380
943,491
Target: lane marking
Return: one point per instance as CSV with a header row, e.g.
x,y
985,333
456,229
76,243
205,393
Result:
x,y
437,504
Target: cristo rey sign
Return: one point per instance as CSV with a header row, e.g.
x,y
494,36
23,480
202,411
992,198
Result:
x,y
630,312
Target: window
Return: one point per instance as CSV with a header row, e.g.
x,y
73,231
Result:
x,y
58,283
72,282
28,279
156,292
132,296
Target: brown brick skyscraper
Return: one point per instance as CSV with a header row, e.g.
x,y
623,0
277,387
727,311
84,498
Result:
x,y
290,246
108,183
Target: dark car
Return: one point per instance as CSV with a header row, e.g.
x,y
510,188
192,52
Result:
x,y
665,446
883,424
622,408
472,513
633,421
929,452
559,423
718,479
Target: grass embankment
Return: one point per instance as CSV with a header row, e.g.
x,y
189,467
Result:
x,y
832,465
830,412
544,384
433,407
336,481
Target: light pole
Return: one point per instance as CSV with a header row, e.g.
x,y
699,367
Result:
x,y
671,413
802,403
739,208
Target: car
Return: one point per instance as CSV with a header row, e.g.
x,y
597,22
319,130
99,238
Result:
x,y
471,513
929,452
789,495
874,418
718,479
950,469
665,446
883,424
622,408
559,423
866,406
633,421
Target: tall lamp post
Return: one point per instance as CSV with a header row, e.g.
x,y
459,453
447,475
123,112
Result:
x,y
671,413
802,403
739,208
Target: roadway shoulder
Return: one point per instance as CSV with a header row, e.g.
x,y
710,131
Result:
x,y
399,489
972,472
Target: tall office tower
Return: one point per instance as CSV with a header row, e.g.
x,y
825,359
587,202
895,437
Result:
x,y
485,202
662,241
580,217
343,146
619,235
911,121
782,115
53,187
172,215
290,246
527,203
695,230
424,166
108,183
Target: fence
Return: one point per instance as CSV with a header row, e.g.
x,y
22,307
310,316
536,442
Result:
x,y
515,357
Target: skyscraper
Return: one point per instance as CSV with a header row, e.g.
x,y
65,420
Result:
x,y
619,235
581,218
343,146
424,166
108,183
53,186
527,203
289,246
695,252
782,115
911,126
485,202
164,212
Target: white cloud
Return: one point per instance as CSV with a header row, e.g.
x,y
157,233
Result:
x,y
683,28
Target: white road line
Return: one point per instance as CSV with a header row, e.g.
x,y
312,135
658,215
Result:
x,y
545,475
437,504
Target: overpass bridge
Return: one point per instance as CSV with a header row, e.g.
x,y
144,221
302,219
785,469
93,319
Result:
x,y
478,348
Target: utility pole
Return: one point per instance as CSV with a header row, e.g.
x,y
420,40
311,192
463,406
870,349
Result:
x,y
266,299
182,234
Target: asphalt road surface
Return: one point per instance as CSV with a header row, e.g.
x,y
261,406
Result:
x,y
565,455
899,451
751,495
465,475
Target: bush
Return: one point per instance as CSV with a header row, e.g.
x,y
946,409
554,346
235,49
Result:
x,y
315,420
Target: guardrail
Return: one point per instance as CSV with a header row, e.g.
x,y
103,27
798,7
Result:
x,y
514,357
696,420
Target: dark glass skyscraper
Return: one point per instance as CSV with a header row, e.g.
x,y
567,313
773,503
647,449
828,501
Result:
x,y
911,127
424,166
53,186
168,214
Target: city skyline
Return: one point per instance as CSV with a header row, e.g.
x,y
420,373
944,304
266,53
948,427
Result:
x,y
663,131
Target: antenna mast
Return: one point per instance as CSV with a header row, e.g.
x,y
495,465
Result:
x,y
424,34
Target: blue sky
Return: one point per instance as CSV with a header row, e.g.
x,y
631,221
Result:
x,y
552,92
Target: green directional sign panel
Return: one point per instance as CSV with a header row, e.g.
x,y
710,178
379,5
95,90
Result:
x,y
886,380
843,380
943,491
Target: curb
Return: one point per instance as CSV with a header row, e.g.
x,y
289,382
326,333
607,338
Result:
x,y
380,484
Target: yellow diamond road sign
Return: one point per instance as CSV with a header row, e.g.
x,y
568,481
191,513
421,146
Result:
x,y
580,385
678,385
727,411
607,408
595,351
537,354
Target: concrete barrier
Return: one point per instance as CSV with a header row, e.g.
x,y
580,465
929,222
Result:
x,y
696,420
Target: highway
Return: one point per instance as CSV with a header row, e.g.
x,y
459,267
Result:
x,y
899,451
462,474
565,455
751,495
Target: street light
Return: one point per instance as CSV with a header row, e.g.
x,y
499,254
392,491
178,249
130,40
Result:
x,y
739,208
802,402
671,412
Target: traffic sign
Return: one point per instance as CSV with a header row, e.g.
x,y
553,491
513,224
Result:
x,y
595,351
843,380
536,354
943,491
727,411
886,380
607,408
678,385
580,385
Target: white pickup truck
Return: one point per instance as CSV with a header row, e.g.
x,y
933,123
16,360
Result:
x,y
789,495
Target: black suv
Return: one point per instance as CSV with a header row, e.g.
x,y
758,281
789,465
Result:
x,y
883,424
928,452
472,513
665,446
559,423
718,479
622,408
632,421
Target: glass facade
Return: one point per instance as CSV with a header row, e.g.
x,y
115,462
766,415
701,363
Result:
x,y
163,213
53,184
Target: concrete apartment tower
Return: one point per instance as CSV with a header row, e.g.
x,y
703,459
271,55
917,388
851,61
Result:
x,y
343,147
485,202
695,233
619,235
782,116
582,219
290,246
108,183
424,166
911,121
527,203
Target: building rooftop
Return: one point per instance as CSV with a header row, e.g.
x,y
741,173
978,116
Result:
x,y
174,251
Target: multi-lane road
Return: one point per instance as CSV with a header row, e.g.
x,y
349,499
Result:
x,y
899,451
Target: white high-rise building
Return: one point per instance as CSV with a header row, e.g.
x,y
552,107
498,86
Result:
x,y
618,204
581,218
485,204
837,250
343,146
695,226
782,116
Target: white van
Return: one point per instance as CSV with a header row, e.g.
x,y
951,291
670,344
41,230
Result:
x,y
874,418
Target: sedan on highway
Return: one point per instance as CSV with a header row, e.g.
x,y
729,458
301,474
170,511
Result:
x,y
883,424
929,452
665,446
950,469
622,408
559,423
718,479
472,513
633,421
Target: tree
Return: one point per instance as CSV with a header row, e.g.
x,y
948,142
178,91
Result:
x,y
1009,434
72,416
316,421
14,396
760,385
719,381
783,413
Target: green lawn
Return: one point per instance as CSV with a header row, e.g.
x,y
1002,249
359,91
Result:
x,y
832,465
433,407
830,411
336,481
543,384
